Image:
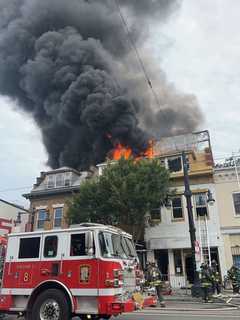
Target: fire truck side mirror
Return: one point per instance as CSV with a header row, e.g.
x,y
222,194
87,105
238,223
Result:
x,y
89,243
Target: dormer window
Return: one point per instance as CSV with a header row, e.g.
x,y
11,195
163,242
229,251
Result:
x,y
59,180
67,179
51,181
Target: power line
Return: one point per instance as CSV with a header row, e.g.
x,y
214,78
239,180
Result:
x,y
135,49
15,189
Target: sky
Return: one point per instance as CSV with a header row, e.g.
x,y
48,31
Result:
x,y
199,50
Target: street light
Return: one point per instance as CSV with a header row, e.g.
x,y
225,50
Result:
x,y
196,289
210,199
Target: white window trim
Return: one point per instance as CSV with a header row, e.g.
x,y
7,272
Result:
x,y
54,215
41,207
58,205
40,219
183,217
54,175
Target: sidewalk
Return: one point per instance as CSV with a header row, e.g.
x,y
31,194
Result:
x,y
195,306
185,302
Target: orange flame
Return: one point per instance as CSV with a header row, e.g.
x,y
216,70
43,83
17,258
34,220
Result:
x,y
121,151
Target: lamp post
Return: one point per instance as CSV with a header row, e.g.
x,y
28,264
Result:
x,y
196,289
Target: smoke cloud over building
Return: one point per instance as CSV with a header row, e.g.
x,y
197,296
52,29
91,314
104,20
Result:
x,y
69,65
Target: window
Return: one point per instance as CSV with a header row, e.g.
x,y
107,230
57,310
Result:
x,y
177,210
67,179
58,213
114,245
201,204
156,214
78,247
178,262
174,164
59,180
236,261
236,201
50,246
236,255
51,181
42,215
29,248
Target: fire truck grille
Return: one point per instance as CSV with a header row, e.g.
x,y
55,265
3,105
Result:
x,y
129,280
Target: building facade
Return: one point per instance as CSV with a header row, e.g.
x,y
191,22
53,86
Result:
x,y
9,214
227,183
50,196
168,239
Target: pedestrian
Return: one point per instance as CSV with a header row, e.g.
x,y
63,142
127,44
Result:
x,y
205,278
234,276
215,278
154,279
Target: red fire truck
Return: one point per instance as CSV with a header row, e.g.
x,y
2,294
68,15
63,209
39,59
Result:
x,y
90,271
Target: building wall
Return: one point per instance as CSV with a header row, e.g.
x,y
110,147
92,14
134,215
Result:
x,y
50,203
170,234
226,184
9,213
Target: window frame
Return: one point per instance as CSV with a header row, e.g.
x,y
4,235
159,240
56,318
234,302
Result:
x,y
38,212
39,249
172,208
159,212
172,158
201,206
53,181
66,176
44,244
74,257
236,215
54,217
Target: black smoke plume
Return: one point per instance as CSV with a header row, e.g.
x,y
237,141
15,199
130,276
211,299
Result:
x,y
68,63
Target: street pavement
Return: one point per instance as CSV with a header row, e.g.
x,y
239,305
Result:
x,y
182,315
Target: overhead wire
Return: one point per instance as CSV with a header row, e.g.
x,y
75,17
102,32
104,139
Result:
x,y
15,189
138,56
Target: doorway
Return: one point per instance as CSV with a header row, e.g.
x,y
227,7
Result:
x,y
189,268
161,256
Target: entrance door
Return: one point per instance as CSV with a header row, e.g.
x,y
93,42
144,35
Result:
x,y
189,269
161,257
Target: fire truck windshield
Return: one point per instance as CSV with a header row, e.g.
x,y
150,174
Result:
x,y
115,245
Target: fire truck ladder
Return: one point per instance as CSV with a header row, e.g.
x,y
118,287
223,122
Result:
x,y
202,221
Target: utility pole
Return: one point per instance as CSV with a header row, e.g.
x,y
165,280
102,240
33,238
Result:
x,y
196,290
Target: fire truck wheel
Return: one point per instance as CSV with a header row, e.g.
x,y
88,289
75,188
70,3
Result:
x,y
51,304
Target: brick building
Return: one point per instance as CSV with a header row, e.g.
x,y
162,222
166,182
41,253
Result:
x,y
50,195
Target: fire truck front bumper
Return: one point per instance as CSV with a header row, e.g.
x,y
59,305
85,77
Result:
x,y
6,302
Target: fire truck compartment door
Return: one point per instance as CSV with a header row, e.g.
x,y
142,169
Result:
x,y
52,255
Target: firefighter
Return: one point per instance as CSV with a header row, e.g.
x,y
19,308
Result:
x,y
215,278
154,279
205,277
234,276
